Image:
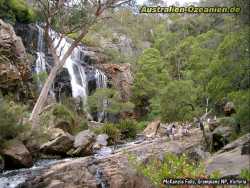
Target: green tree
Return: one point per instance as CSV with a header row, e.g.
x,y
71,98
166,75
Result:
x,y
229,70
178,101
16,10
108,100
150,77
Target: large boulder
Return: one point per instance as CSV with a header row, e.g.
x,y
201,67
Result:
x,y
16,155
114,170
101,140
197,154
83,143
231,159
223,131
151,129
59,146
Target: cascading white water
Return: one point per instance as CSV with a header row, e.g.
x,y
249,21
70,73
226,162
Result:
x,y
101,82
40,61
78,78
76,70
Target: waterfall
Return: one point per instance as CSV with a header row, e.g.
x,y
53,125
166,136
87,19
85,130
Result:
x,y
40,61
101,82
73,65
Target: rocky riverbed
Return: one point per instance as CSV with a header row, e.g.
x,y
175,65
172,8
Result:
x,y
110,166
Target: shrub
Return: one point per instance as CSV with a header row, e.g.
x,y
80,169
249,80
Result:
x,y
241,101
61,112
66,115
141,125
245,174
81,124
127,128
111,130
16,10
115,104
11,118
172,166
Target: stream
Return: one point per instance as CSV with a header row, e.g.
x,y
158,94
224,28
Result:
x,y
15,178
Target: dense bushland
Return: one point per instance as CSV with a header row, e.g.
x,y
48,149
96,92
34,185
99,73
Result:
x,y
16,10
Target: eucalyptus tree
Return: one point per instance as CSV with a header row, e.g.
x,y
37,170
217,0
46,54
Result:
x,y
67,17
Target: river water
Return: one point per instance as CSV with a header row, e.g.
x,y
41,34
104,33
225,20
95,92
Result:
x,y
15,178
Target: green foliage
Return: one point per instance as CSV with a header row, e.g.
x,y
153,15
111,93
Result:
x,y
128,128
11,118
125,129
80,125
40,77
141,125
111,130
112,97
228,69
178,101
245,174
63,113
241,100
115,56
16,10
172,166
151,76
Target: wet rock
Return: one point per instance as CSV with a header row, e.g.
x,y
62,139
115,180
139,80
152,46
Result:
x,y
101,140
104,152
29,35
151,129
114,170
83,143
59,146
16,155
230,160
62,85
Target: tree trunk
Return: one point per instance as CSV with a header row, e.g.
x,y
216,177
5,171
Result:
x,y
49,81
43,95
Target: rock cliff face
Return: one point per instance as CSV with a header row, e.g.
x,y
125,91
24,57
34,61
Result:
x,y
121,76
15,72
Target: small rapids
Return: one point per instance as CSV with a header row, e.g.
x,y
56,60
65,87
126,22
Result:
x,y
15,178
